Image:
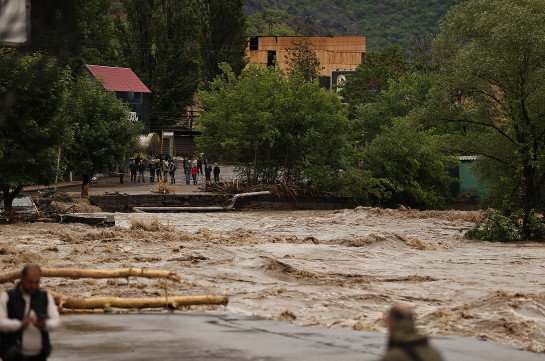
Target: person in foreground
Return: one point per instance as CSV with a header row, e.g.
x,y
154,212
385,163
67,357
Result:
x,y
27,314
405,344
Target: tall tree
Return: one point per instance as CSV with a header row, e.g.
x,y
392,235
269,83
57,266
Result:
x,y
372,77
75,31
160,42
278,127
32,89
103,134
493,82
224,38
302,59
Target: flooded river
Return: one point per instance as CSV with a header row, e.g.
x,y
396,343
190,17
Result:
x,y
327,269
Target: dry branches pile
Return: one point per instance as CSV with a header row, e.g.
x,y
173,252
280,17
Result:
x,y
281,190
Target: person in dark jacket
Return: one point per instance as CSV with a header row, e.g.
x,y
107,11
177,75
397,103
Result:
x,y
133,168
187,170
405,344
199,165
208,172
158,171
121,171
151,167
27,314
171,171
216,173
141,170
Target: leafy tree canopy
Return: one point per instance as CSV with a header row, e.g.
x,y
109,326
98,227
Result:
x,y
372,77
280,128
303,60
492,85
103,135
32,89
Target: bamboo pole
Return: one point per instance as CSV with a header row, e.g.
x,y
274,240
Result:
x,y
65,302
91,273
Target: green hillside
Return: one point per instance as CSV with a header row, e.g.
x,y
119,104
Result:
x,y
383,22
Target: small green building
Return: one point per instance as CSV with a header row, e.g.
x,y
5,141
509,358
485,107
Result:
x,y
469,183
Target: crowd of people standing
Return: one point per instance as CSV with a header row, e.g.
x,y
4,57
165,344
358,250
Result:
x,y
163,169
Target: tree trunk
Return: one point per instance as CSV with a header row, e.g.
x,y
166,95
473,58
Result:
x,y
93,273
9,197
85,185
157,302
529,200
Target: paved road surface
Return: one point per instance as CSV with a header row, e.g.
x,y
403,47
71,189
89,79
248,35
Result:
x,y
221,336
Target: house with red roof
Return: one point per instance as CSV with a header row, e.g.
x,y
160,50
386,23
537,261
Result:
x,y
128,88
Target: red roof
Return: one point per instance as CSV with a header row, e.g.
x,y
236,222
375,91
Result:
x,y
118,79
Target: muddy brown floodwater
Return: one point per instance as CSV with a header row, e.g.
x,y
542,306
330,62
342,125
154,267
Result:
x,y
332,269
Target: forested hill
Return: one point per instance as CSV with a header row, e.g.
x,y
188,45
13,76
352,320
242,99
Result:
x,y
383,22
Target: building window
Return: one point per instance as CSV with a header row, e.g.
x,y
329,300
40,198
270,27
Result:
x,y
271,58
254,43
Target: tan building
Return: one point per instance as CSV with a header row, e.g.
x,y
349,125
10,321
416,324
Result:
x,y
334,53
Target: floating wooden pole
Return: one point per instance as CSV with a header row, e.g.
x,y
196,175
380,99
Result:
x,y
91,273
157,302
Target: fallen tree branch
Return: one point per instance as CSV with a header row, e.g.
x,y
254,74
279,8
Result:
x,y
65,302
91,273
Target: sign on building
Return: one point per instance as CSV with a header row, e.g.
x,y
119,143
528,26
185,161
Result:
x,y
133,117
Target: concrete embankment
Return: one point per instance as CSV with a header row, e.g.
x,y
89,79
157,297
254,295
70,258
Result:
x,y
128,202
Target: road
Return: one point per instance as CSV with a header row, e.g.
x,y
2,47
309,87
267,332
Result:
x,y
223,336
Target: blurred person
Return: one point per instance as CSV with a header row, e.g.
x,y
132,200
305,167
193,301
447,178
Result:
x,y
171,171
216,173
405,343
151,167
133,168
194,171
27,314
208,172
121,171
141,170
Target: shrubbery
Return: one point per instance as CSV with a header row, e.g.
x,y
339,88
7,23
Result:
x,y
501,228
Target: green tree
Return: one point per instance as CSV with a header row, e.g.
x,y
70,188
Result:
x,y
403,96
278,127
411,165
372,77
303,60
75,31
492,82
223,36
103,135
32,89
160,42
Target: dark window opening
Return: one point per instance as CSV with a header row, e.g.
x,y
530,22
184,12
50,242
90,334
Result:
x,y
363,58
254,43
271,58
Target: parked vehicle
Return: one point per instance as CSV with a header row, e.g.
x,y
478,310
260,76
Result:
x,y
22,204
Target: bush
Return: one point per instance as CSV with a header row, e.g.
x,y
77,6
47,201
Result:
x,y
501,228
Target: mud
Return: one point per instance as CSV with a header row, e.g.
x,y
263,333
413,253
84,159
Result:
x,y
329,269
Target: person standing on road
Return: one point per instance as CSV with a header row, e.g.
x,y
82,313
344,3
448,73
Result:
x,y
141,170
208,172
151,167
194,172
164,166
405,344
187,171
216,173
171,170
27,314
121,171
133,168
158,171
199,165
